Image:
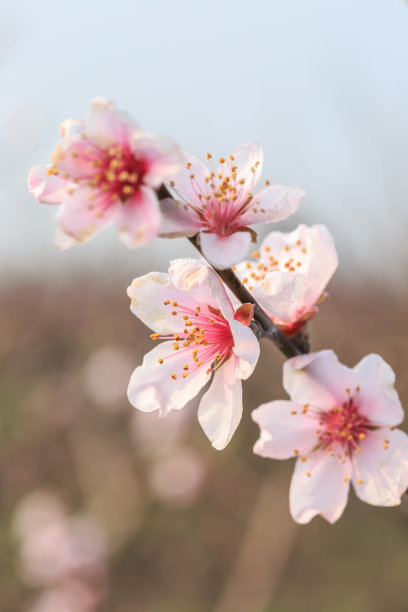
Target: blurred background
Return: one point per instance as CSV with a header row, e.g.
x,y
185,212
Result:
x,y
106,509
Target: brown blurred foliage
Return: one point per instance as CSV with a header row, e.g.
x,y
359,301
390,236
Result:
x,y
217,534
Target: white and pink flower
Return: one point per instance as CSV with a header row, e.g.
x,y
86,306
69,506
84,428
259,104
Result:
x,y
105,169
340,424
205,338
289,274
219,203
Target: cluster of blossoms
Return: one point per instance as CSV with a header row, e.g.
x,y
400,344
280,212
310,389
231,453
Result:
x,y
340,422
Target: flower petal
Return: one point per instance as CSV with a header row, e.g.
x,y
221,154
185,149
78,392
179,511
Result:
x,y
323,260
76,157
138,218
313,258
224,251
248,158
384,472
281,294
151,386
63,240
324,492
318,379
148,294
220,409
47,189
274,203
378,400
176,220
246,348
106,125
84,212
286,430
184,185
206,286
70,127
161,156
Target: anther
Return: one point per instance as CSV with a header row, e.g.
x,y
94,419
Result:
x,y
128,189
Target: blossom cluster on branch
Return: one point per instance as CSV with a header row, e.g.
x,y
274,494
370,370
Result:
x,y
211,313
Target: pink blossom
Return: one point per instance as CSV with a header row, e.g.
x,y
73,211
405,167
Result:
x,y
177,476
105,169
55,546
219,204
340,423
290,274
72,596
205,337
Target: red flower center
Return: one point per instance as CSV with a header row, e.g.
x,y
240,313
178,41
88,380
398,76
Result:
x,y
119,173
203,335
343,426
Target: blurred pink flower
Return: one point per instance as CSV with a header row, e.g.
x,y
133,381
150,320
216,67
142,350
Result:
x,y
153,435
70,597
290,274
105,169
55,546
105,375
177,476
205,336
340,423
220,204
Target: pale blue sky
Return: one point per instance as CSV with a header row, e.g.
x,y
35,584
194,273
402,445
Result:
x,y
321,84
